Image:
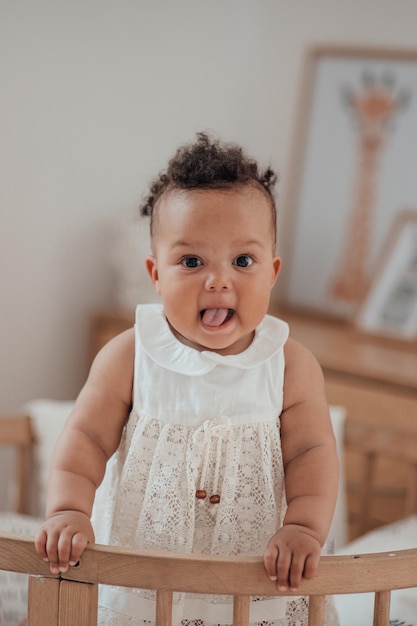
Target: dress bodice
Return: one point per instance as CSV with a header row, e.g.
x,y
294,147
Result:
x,y
174,382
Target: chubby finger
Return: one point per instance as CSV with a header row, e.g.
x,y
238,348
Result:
x,y
78,545
283,568
297,569
40,544
64,549
270,561
311,565
51,547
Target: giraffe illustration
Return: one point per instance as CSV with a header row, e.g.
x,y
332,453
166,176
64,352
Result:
x,y
373,108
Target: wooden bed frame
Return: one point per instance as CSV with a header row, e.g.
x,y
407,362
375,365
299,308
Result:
x,y
71,598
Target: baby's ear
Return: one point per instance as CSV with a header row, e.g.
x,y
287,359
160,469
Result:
x,y
152,269
276,269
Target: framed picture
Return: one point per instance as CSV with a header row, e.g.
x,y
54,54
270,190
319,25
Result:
x,y
353,167
390,306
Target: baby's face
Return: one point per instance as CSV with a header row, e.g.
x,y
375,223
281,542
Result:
x,y
214,265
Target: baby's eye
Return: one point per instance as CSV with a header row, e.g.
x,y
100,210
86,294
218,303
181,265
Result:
x,y
243,260
191,262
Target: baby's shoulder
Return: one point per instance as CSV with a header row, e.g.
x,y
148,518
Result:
x,y
120,346
115,361
299,357
304,380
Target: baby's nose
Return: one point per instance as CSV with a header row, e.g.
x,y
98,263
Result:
x,y
218,281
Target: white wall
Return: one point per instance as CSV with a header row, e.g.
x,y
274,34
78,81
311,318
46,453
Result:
x,y
95,95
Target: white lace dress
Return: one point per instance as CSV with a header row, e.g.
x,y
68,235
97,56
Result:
x,y
201,424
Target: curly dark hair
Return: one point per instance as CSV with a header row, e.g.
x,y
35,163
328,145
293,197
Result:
x,y
209,164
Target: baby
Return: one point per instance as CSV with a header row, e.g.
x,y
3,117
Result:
x,y
207,422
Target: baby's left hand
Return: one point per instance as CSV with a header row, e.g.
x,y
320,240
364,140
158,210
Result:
x,y
292,553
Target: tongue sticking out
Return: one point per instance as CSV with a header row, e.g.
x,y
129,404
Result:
x,y
214,317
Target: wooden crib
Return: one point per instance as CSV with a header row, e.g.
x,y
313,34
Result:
x,y
71,599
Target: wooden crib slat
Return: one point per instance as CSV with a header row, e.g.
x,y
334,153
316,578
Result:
x,y
381,608
411,492
366,489
241,606
43,601
163,615
78,604
316,610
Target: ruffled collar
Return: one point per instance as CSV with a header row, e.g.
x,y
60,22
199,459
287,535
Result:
x,y
166,350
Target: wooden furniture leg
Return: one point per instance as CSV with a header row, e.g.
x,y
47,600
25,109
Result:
x,y
43,601
78,604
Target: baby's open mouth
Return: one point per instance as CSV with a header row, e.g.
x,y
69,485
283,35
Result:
x,y
216,317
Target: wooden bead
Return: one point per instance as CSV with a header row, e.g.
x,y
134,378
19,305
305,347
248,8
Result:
x,y
215,499
200,494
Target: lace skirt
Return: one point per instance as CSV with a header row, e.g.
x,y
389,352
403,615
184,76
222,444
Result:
x,y
217,488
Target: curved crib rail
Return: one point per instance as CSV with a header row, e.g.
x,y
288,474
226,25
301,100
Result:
x,y
71,599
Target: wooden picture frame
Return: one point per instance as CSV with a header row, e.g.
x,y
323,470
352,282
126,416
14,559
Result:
x,y
390,306
352,169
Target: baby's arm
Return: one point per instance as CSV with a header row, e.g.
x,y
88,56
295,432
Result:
x,y
90,436
311,472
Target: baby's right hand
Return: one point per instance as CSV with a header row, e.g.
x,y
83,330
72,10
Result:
x,y
62,538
